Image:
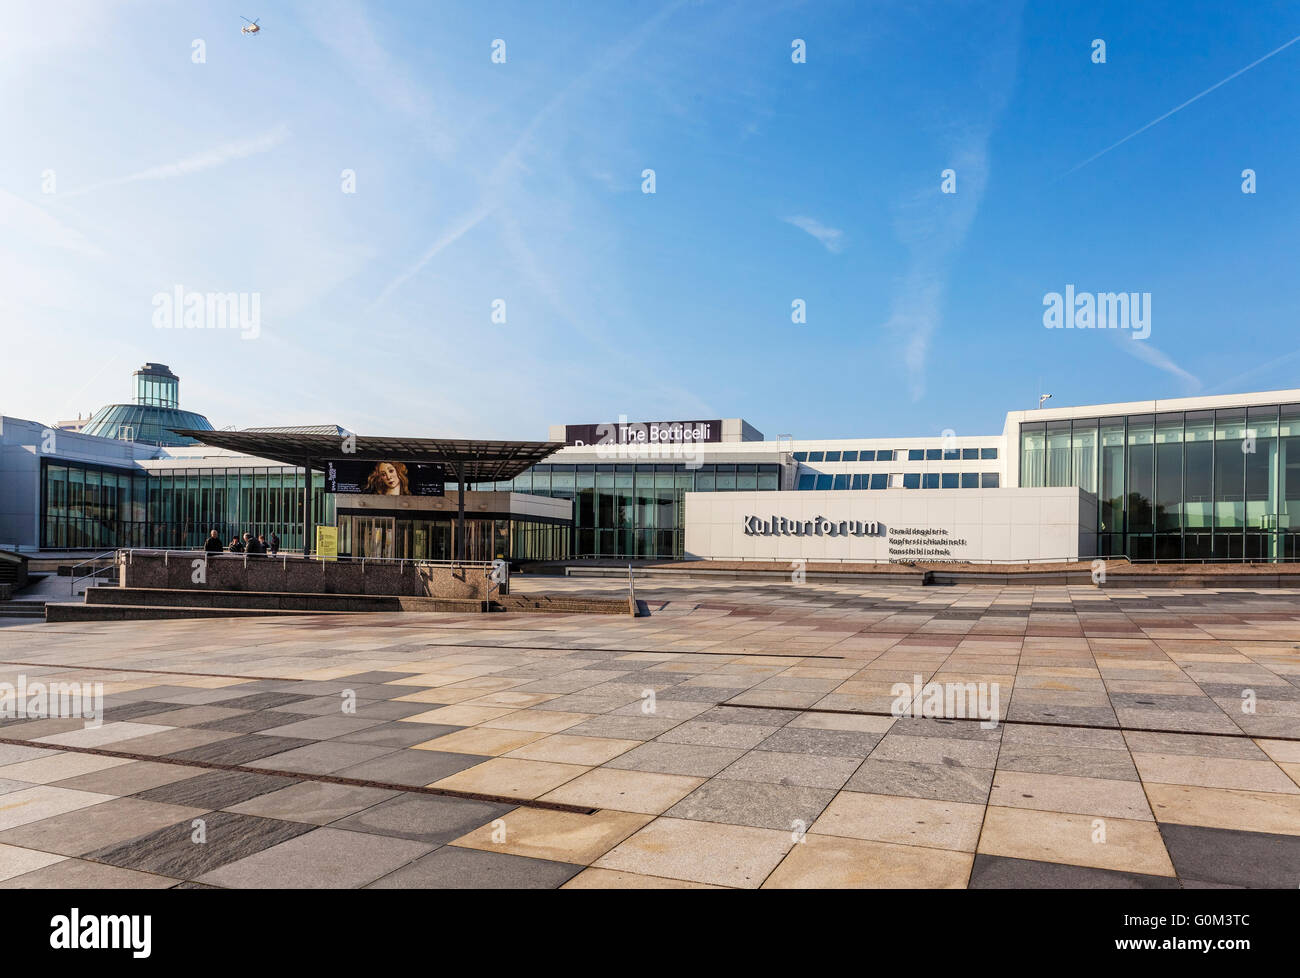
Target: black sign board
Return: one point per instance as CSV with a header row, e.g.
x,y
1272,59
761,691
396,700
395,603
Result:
x,y
643,433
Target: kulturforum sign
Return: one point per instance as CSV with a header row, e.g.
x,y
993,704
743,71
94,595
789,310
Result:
x,y
818,526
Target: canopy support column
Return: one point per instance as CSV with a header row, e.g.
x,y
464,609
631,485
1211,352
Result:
x,y
306,508
461,548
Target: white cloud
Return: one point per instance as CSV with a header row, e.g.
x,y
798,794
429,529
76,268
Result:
x,y
934,226
1147,353
1182,105
215,157
36,225
449,237
36,31
358,47
500,179
831,238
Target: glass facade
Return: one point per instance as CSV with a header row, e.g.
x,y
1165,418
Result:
x,y
821,481
635,510
1198,485
157,390
435,539
145,423
90,507
897,454
620,510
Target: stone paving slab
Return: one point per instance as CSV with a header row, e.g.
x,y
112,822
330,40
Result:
x,y
742,735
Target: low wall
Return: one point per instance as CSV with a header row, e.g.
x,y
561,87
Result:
x,y
13,569
239,572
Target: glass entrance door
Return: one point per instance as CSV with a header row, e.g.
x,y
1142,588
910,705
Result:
x,y
373,536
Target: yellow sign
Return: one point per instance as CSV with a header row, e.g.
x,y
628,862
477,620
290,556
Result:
x,y
327,542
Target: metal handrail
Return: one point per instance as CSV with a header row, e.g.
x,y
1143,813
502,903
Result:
x,y
622,558
285,557
95,571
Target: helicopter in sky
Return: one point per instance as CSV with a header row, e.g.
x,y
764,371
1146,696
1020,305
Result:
x,y
251,27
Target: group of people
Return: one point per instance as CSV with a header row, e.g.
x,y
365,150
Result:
x,y
260,544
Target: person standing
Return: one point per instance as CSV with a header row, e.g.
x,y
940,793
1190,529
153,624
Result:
x,y
275,544
235,546
212,545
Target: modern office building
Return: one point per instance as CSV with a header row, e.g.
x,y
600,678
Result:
x,y
1204,478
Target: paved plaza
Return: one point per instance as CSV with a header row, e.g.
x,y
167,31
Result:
x,y
739,736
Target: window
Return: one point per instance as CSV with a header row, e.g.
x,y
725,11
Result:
x,y
1229,470
933,454
801,456
858,482
832,456
951,454
1261,469
1141,471
989,480
930,480
969,453
867,456
970,480
948,480
807,481
988,453
884,455
916,455
880,480
1083,465
823,482
1033,452
1197,489
815,456
912,480
1058,453
850,457
841,482
1169,481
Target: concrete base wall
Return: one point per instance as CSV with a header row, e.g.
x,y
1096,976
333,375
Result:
x,y
235,572
899,525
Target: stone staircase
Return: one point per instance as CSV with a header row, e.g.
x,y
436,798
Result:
x,y
128,603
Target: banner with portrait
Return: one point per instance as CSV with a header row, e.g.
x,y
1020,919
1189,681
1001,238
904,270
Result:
x,y
383,478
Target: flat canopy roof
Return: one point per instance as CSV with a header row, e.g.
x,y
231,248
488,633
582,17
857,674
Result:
x,y
481,461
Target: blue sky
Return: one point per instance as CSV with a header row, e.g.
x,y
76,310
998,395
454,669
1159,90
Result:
x,y
521,181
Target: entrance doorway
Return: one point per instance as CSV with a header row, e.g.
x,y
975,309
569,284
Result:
x,y
373,536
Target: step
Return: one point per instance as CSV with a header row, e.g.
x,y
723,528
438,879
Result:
x,y
564,604
70,611
291,602
22,609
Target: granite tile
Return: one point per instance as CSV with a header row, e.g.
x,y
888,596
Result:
x,y
454,868
323,858
173,851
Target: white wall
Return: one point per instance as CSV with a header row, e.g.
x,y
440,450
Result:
x,y
995,524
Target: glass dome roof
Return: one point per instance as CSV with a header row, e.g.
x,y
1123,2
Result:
x,y
147,423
